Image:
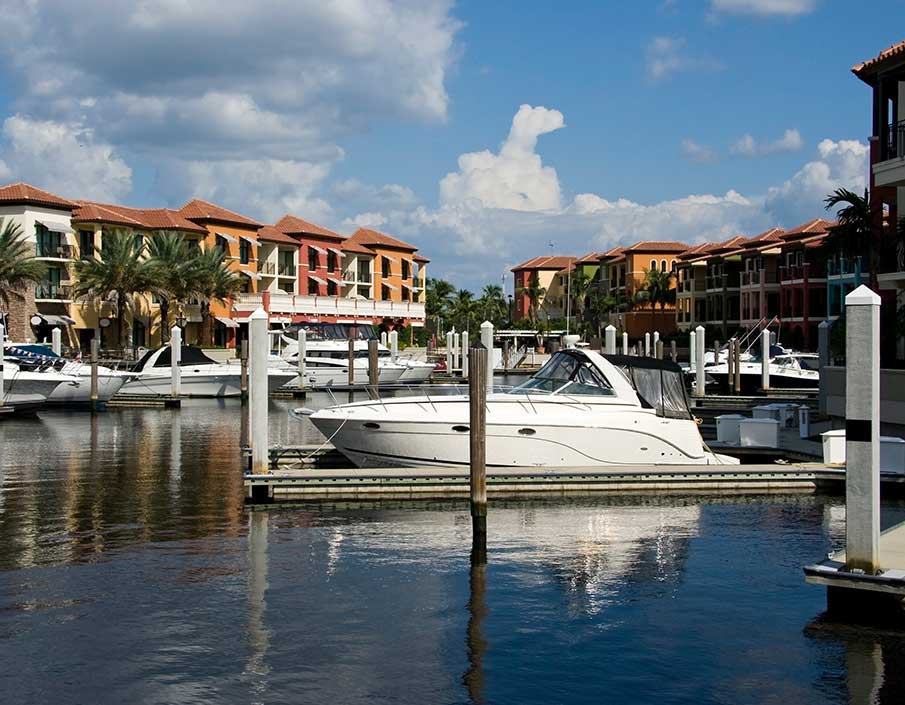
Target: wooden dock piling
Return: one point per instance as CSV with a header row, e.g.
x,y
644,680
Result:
x,y
477,436
737,367
303,353
351,362
699,347
243,375
95,350
373,371
765,360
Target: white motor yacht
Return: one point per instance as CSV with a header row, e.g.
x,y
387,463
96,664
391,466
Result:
x,y
788,370
200,376
580,409
40,357
19,381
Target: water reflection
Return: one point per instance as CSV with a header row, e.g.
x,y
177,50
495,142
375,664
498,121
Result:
x,y
258,633
476,642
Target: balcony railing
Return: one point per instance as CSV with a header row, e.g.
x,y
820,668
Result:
x,y
364,277
895,141
330,306
287,270
53,292
268,268
843,266
48,249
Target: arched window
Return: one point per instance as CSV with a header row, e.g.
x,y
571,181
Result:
x,y
662,265
653,264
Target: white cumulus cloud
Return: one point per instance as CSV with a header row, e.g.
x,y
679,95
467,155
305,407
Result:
x,y
697,152
665,56
748,146
767,8
63,158
515,178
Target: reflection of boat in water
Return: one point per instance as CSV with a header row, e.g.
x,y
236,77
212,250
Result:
x,y
580,409
200,376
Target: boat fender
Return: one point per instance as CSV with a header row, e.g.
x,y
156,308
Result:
x,y
301,412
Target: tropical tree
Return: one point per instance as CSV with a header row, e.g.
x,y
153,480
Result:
x,y
579,288
535,294
603,306
857,224
213,281
656,287
177,274
116,276
463,309
18,266
492,304
439,299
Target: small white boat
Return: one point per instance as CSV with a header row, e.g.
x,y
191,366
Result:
x,y
200,376
788,370
580,409
44,383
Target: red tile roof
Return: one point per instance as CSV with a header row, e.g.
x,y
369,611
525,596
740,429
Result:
x,y
866,69
556,262
349,245
145,218
28,194
812,227
696,250
658,246
366,236
613,252
421,259
202,210
270,234
590,258
770,235
291,225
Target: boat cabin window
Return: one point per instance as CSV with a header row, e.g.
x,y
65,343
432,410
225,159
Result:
x,y
809,363
189,356
659,384
566,373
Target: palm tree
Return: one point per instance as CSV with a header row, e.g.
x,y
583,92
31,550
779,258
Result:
x,y
213,282
18,266
857,224
492,304
535,293
177,275
439,297
656,286
463,309
603,306
116,276
579,286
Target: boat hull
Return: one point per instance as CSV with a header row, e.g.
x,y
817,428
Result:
x,y
198,383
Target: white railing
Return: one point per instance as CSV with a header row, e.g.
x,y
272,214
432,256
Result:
x,y
330,306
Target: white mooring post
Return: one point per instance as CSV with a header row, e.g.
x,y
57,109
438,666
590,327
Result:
x,y
765,359
862,431
303,353
716,352
699,347
654,341
674,356
464,353
823,361
383,338
692,338
394,344
449,352
258,349
56,341
2,343
610,337
457,360
647,345
487,342
175,358
625,343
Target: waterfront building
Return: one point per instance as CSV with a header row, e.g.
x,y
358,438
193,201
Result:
x,y
802,279
546,269
885,74
45,220
690,269
642,317
759,278
397,274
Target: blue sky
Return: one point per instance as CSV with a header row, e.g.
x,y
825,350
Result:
x,y
670,120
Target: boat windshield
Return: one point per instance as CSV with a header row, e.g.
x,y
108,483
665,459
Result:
x,y
188,356
659,384
567,373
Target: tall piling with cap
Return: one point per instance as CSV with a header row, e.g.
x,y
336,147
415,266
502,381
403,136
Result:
x,y
673,354
625,343
658,350
716,352
823,361
457,359
394,344
95,355
610,337
259,349
699,348
449,352
383,338
487,342
373,370
56,341
692,357
351,360
175,359
862,431
654,340
730,361
647,345
464,339
765,360
303,353
477,448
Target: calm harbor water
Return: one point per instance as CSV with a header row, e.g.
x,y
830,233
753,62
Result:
x,y
130,572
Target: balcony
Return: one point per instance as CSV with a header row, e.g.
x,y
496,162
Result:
x,y
53,292
288,304
364,278
758,277
49,250
842,267
268,269
287,270
890,170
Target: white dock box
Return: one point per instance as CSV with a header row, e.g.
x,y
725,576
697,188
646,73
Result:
x,y
892,454
788,414
727,428
759,432
766,411
833,447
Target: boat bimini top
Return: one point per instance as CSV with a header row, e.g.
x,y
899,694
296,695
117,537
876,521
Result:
x,y
657,384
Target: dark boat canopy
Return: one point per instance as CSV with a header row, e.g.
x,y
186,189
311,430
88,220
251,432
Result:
x,y
189,356
659,384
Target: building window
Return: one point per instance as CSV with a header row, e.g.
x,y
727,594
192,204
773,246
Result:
x,y
385,266
405,269
194,247
222,245
138,243
331,287
48,243
86,244
312,287
653,264
331,261
50,285
405,293
244,251
312,258
384,293
288,287
662,265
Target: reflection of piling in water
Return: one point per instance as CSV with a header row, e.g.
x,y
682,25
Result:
x,y
94,356
258,634
475,642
